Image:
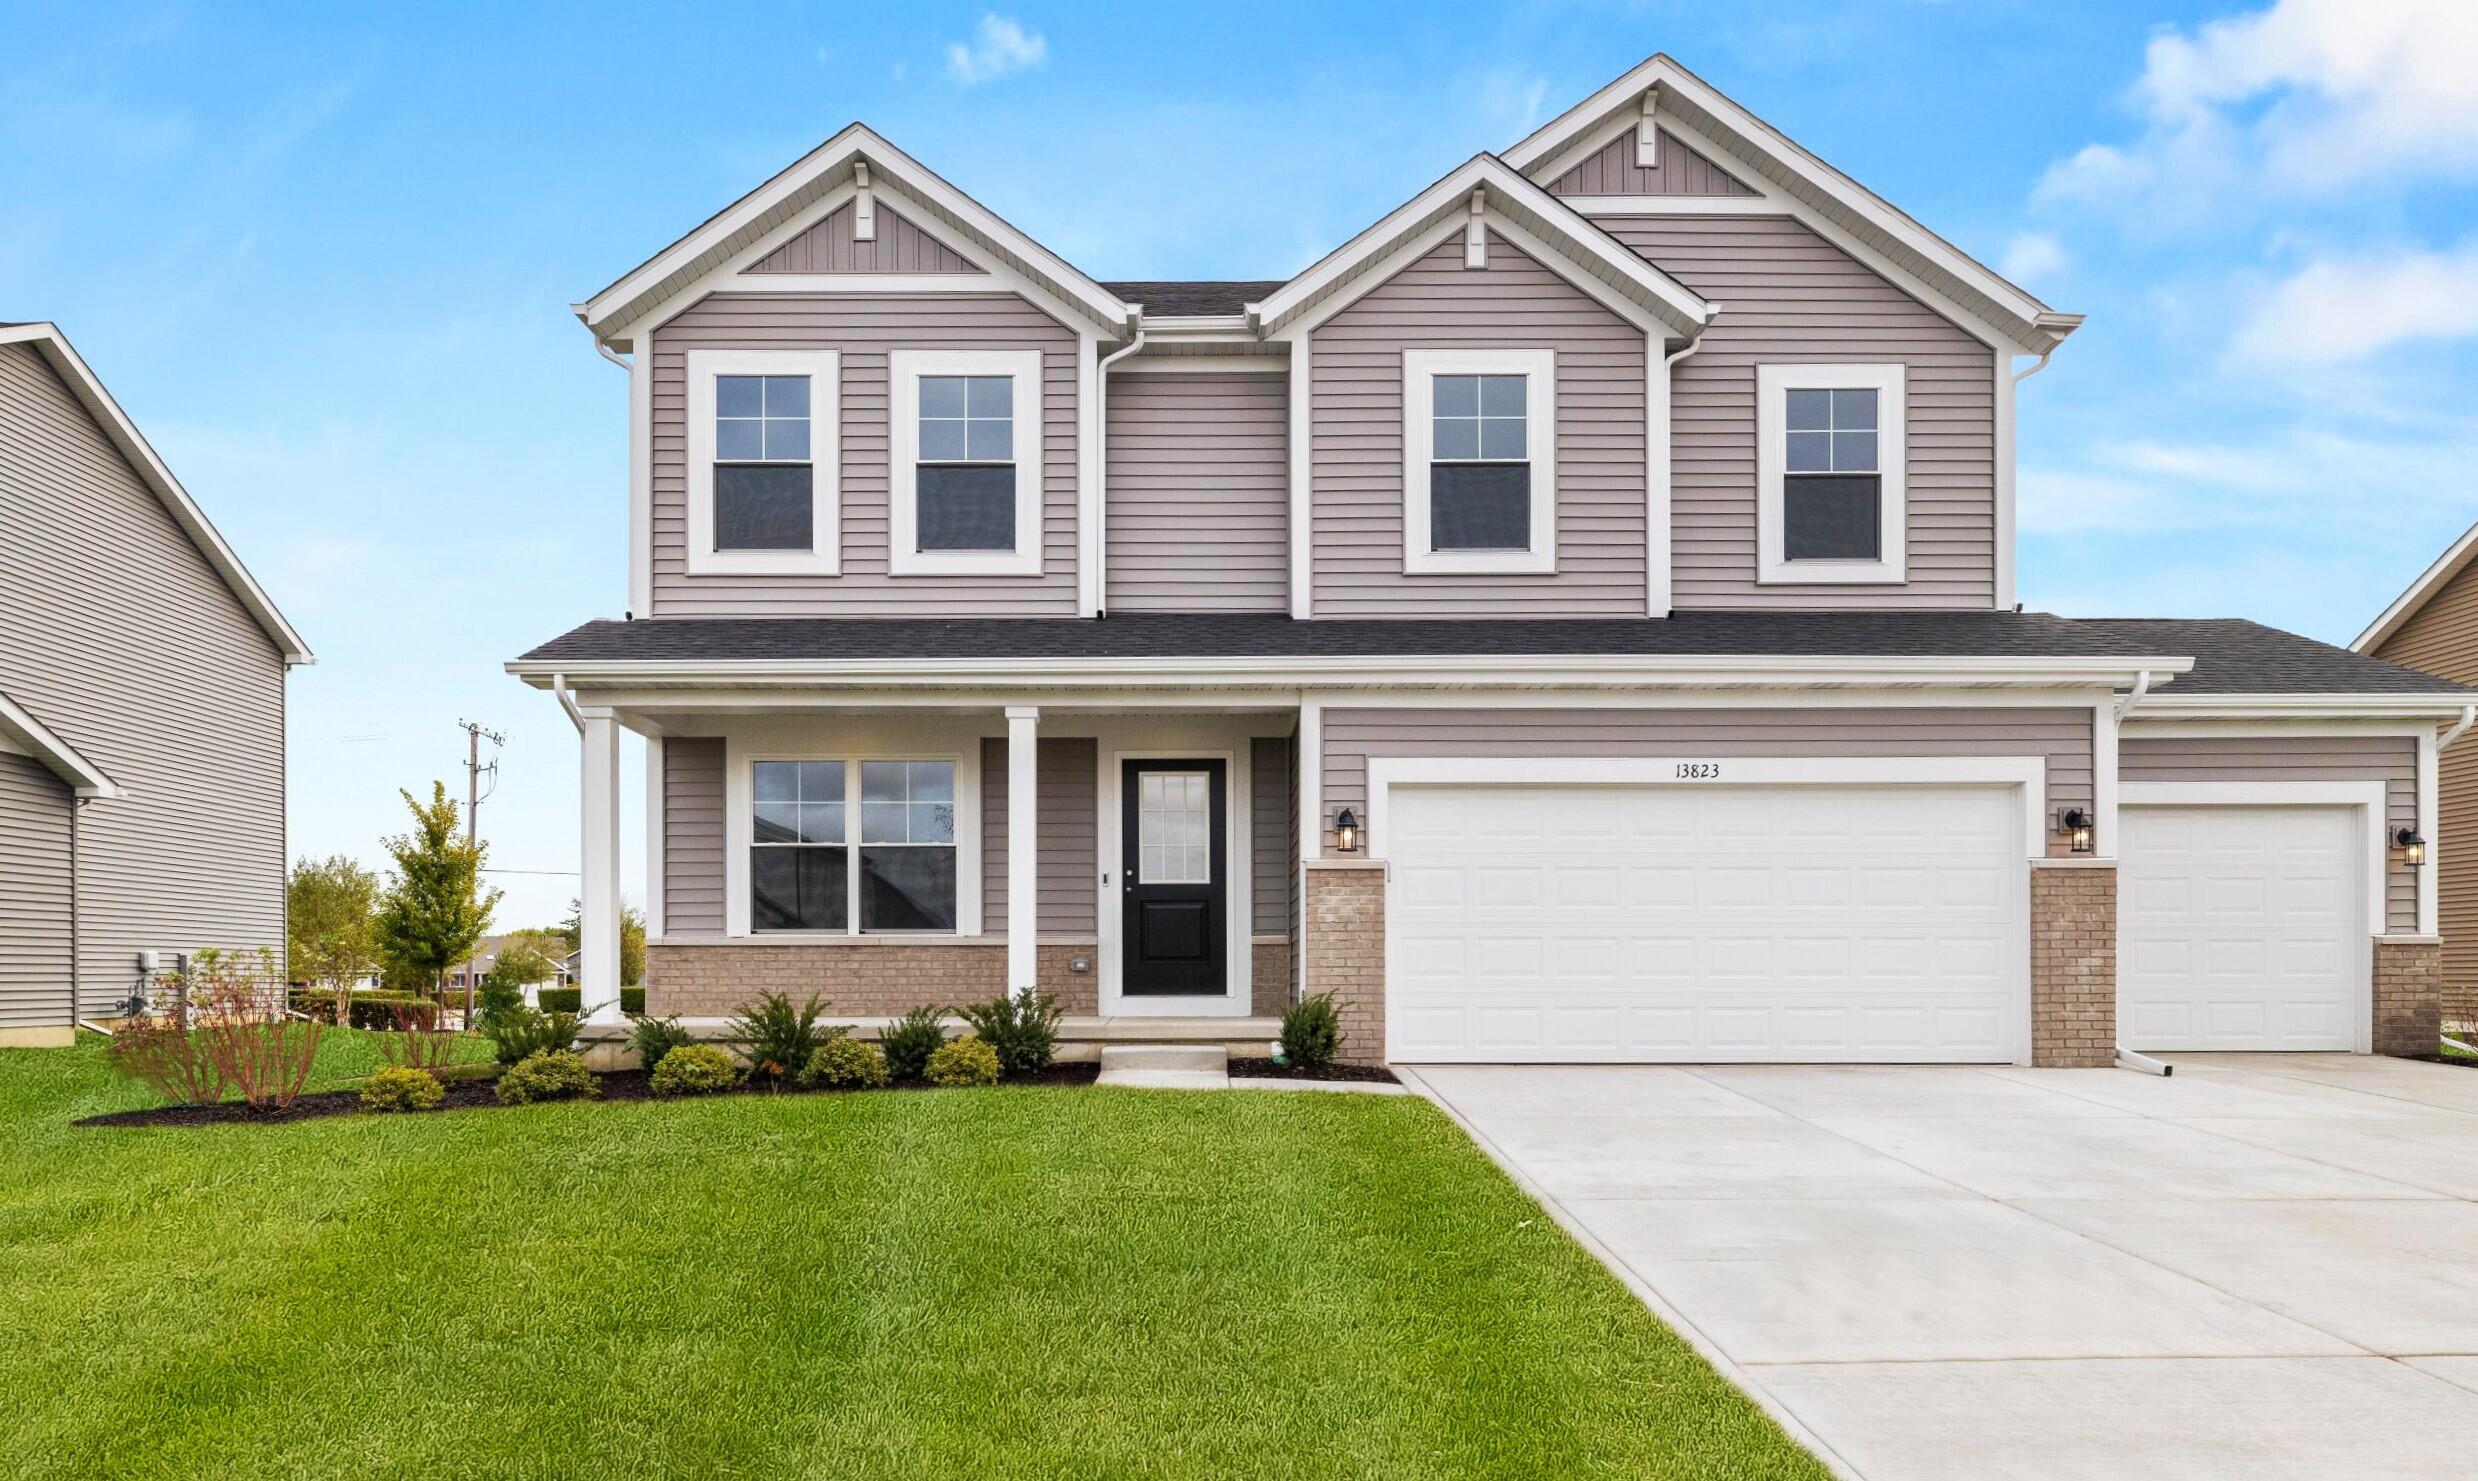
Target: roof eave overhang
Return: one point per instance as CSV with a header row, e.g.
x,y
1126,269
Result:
x,y
2167,704
59,757
2407,604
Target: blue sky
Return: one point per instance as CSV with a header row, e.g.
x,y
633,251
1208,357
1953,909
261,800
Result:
x,y
324,255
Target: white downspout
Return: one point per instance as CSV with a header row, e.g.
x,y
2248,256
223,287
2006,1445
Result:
x,y
2127,1058
1712,311
2040,365
2469,715
2142,686
1101,462
559,687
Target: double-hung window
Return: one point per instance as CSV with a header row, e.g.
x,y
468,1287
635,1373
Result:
x,y
1829,472
845,846
763,435
1480,461
965,445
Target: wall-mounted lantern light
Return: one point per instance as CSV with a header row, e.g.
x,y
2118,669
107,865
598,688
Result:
x,y
2412,847
1346,831
2076,823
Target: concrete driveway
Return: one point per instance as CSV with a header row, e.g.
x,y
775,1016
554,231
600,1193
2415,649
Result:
x,y
2264,1267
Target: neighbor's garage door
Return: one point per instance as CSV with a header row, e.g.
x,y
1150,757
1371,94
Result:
x,y
2240,928
1598,924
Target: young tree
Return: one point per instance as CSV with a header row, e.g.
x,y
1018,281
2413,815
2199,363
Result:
x,y
328,926
436,907
632,939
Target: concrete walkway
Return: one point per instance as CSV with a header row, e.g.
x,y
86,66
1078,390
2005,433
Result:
x,y
2265,1267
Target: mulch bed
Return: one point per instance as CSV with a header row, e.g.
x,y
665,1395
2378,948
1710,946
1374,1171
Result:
x,y
1266,1069
465,1093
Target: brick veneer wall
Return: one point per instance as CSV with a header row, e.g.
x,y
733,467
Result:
x,y
861,980
1345,943
2409,982
2073,965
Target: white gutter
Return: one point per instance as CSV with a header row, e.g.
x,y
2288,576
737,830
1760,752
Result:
x,y
576,717
2142,686
1712,311
2469,715
1101,470
2305,706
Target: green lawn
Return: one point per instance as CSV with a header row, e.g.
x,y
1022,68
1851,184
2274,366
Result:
x,y
1014,1282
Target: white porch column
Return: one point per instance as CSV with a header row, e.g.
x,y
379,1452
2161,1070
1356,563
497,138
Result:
x,y
598,901
1023,849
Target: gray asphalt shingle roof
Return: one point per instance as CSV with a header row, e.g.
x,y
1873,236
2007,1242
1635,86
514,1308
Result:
x,y
1187,297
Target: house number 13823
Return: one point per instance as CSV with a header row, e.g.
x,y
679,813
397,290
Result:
x,y
1699,771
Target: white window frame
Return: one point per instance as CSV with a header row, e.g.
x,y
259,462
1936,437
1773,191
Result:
x,y
1420,368
904,369
1773,383
741,815
824,557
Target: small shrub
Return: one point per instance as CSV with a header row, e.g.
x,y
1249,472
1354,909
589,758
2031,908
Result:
x,y
1311,1033
653,1038
498,996
236,1003
421,1039
910,1040
171,1061
554,1074
560,999
967,1061
1021,1028
632,1001
779,1038
397,1087
521,1033
846,1064
695,1069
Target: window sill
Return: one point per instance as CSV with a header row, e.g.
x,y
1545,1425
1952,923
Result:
x,y
1479,563
963,563
765,563
1832,573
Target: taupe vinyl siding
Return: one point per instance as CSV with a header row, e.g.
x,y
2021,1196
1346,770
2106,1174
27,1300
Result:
x,y
1682,171
1200,513
864,327
1070,852
34,895
117,635
2063,736
2442,639
1356,366
1789,296
898,247
1269,814
693,870
2389,759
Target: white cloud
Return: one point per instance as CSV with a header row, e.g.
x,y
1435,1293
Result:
x,y
2309,482
2032,255
999,45
2341,309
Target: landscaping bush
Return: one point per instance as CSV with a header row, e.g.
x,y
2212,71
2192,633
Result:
x,y
1022,1028
1311,1033
522,1032
779,1038
910,1040
560,999
695,1069
396,1087
171,1061
421,1039
967,1061
632,1001
375,1009
653,1038
555,1074
846,1064
235,1004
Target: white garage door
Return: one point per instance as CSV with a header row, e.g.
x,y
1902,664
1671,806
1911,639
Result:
x,y
1599,924
2240,928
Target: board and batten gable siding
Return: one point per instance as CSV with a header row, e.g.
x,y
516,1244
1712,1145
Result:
x,y
1199,478
864,327
1356,391
2389,759
2441,638
34,894
897,247
1790,296
1682,171
693,872
1269,823
1068,868
1352,736
118,635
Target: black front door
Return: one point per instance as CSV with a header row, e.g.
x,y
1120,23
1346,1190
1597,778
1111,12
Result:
x,y
1172,848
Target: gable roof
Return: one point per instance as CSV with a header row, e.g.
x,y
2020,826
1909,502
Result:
x,y
1361,263
1194,299
803,183
2421,591
48,341
35,739
1759,152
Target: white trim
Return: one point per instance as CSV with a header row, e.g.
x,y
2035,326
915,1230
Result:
x,y
2369,797
1146,362
2430,828
1221,739
1419,370
904,369
651,707
1311,781
2141,726
2328,707
744,281
1648,132
1302,467
2406,605
1023,849
824,368
1678,205
2104,771
598,888
1772,385
827,741
2005,398
641,481
22,733
655,800
1656,476
123,434
1092,493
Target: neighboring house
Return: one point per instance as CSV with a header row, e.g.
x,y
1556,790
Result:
x,y
1572,620
486,955
2433,626
142,680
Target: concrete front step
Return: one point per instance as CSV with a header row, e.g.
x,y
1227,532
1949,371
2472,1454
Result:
x,y
1166,1066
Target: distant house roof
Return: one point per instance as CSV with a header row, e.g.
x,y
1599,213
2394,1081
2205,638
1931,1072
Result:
x,y
2406,605
1195,298
64,359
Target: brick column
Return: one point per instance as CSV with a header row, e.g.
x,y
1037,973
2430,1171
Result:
x,y
2073,963
1345,926
2409,987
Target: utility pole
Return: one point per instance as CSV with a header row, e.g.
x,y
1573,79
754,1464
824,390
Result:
x,y
474,771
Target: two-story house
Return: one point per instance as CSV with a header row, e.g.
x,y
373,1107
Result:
x,y
1572,620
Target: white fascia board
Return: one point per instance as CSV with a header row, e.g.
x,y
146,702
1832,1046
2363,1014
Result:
x,y
2406,605
58,756
1678,306
2166,703
124,435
